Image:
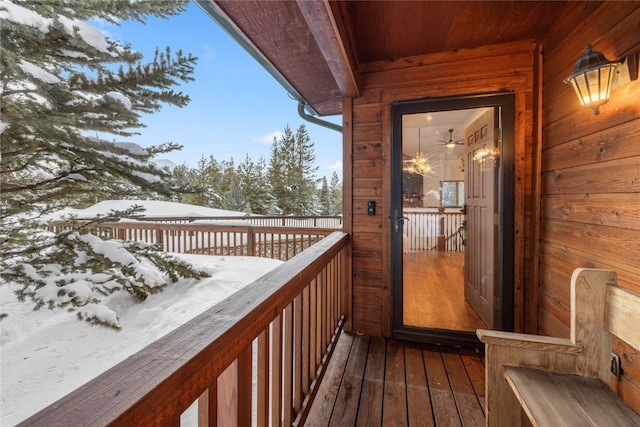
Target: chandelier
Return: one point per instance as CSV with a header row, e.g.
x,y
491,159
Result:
x,y
419,164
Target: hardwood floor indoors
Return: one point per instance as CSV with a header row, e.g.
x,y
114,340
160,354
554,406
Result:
x,y
434,292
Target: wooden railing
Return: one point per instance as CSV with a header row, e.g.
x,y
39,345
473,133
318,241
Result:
x,y
235,238
321,221
255,358
431,230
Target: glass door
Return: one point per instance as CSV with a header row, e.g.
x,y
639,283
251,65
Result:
x,y
448,253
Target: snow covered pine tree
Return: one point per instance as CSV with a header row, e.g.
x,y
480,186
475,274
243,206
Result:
x,y
63,83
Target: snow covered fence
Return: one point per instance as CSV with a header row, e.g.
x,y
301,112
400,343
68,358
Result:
x,y
320,221
213,237
292,316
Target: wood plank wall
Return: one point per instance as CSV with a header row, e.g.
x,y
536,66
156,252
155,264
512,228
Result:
x,y
490,69
590,184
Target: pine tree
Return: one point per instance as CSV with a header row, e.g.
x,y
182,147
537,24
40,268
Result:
x,y
323,198
335,195
304,176
292,173
280,164
255,186
63,84
231,192
200,185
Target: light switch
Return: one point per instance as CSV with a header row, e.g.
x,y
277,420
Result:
x,y
371,207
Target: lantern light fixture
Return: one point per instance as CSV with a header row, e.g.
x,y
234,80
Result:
x,y
594,76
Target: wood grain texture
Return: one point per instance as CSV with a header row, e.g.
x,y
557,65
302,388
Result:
x,y
419,411
372,392
434,292
622,315
323,404
527,341
471,413
599,310
588,308
394,403
442,399
489,69
403,380
557,400
345,410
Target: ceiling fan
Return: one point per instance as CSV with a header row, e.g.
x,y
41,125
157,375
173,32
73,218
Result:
x,y
451,142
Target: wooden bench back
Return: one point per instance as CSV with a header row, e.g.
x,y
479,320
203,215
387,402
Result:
x,y
600,308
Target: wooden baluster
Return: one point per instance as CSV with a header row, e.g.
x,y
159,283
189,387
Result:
x,y
227,410
313,326
306,355
287,367
276,372
244,392
319,349
263,379
297,354
208,407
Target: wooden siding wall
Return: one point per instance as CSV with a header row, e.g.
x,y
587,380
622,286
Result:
x,y
491,69
590,201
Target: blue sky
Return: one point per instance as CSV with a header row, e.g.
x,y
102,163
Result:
x,y
236,106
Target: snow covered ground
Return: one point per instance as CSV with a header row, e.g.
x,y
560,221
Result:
x,y
154,208
46,354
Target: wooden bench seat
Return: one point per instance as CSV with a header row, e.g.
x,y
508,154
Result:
x,y
547,381
557,400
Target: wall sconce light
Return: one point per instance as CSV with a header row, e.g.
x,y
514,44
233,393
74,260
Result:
x,y
593,77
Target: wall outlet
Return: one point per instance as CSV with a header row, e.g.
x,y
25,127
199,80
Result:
x,y
615,365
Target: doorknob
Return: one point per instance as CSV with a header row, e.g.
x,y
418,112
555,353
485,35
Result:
x,y
464,209
398,221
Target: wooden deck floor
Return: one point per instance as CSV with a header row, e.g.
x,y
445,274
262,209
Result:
x,y
383,382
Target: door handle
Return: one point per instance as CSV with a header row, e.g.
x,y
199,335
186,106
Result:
x,y
464,209
398,220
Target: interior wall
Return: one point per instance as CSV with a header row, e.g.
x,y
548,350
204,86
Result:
x,y
590,183
490,69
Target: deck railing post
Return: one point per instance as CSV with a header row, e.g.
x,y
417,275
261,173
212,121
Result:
x,y
251,242
160,237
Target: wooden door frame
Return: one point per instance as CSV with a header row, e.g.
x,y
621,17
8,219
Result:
x,y
505,282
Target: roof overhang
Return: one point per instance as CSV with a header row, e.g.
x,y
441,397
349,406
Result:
x,y
296,42
323,50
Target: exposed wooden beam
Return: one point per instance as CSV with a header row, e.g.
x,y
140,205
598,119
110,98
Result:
x,y
323,27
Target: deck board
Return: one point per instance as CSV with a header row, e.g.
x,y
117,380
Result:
x,y
372,386
469,407
418,402
442,400
394,405
345,410
383,382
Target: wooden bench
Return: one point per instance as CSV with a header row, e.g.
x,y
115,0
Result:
x,y
547,381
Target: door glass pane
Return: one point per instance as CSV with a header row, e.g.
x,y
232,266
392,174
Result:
x,y
435,149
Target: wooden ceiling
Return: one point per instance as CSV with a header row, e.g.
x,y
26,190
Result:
x,y
323,47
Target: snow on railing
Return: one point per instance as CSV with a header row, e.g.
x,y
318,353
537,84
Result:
x,y
257,357
321,221
208,237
